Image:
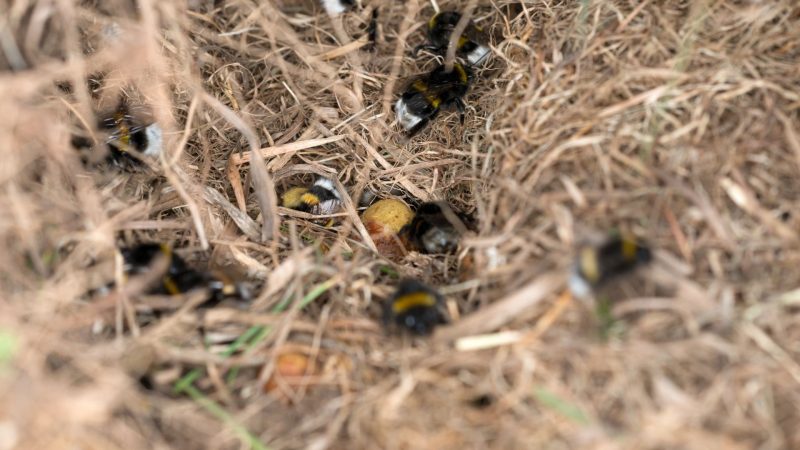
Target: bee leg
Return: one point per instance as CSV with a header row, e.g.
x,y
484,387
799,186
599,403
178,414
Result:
x,y
428,47
372,30
461,110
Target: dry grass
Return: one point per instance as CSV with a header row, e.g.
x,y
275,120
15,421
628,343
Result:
x,y
679,121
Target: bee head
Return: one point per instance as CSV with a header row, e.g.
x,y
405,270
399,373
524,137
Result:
x,y
429,209
142,255
444,21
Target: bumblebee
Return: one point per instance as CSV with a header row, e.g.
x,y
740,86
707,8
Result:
x,y
470,45
435,228
126,134
597,265
321,198
130,134
415,307
179,277
427,95
336,7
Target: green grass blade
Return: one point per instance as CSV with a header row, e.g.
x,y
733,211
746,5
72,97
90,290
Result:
x,y
569,410
219,412
9,345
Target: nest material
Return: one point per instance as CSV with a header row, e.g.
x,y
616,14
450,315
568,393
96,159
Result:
x,y
676,121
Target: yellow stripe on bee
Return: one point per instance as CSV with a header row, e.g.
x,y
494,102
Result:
x,y
414,299
309,199
629,248
422,87
462,41
166,250
292,197
170,286
589,264
462,73
432,21
124,131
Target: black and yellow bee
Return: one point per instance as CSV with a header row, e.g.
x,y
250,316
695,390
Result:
x,y
597,265
427,95
470,46
179,277
321,198
435,228
415,307
129,136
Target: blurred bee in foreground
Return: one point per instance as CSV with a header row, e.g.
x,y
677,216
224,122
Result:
x,y
320,199
415,307
179,277
470,45
597,265
130,137
435,228
427,95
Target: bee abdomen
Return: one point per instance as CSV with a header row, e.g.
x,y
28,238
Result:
x,y
415,307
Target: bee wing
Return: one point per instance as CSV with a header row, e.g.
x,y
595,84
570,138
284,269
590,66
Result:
x,y
441,87
117,133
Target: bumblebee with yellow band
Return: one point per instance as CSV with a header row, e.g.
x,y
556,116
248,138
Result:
x,y
131,134
179,277
415,307
470,46
427,95
597,265
320,199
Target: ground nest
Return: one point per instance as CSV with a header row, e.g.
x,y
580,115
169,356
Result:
x,y
677,122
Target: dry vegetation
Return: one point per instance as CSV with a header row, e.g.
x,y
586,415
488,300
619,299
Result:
x,y
676,120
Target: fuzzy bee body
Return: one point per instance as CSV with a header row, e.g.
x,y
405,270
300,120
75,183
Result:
x,y
470,45
321,198
431,230
336,7
129,134
129,138
415,307
597,265
427,95
179,277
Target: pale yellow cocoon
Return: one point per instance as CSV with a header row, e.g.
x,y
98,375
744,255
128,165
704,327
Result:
x,y
388,215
